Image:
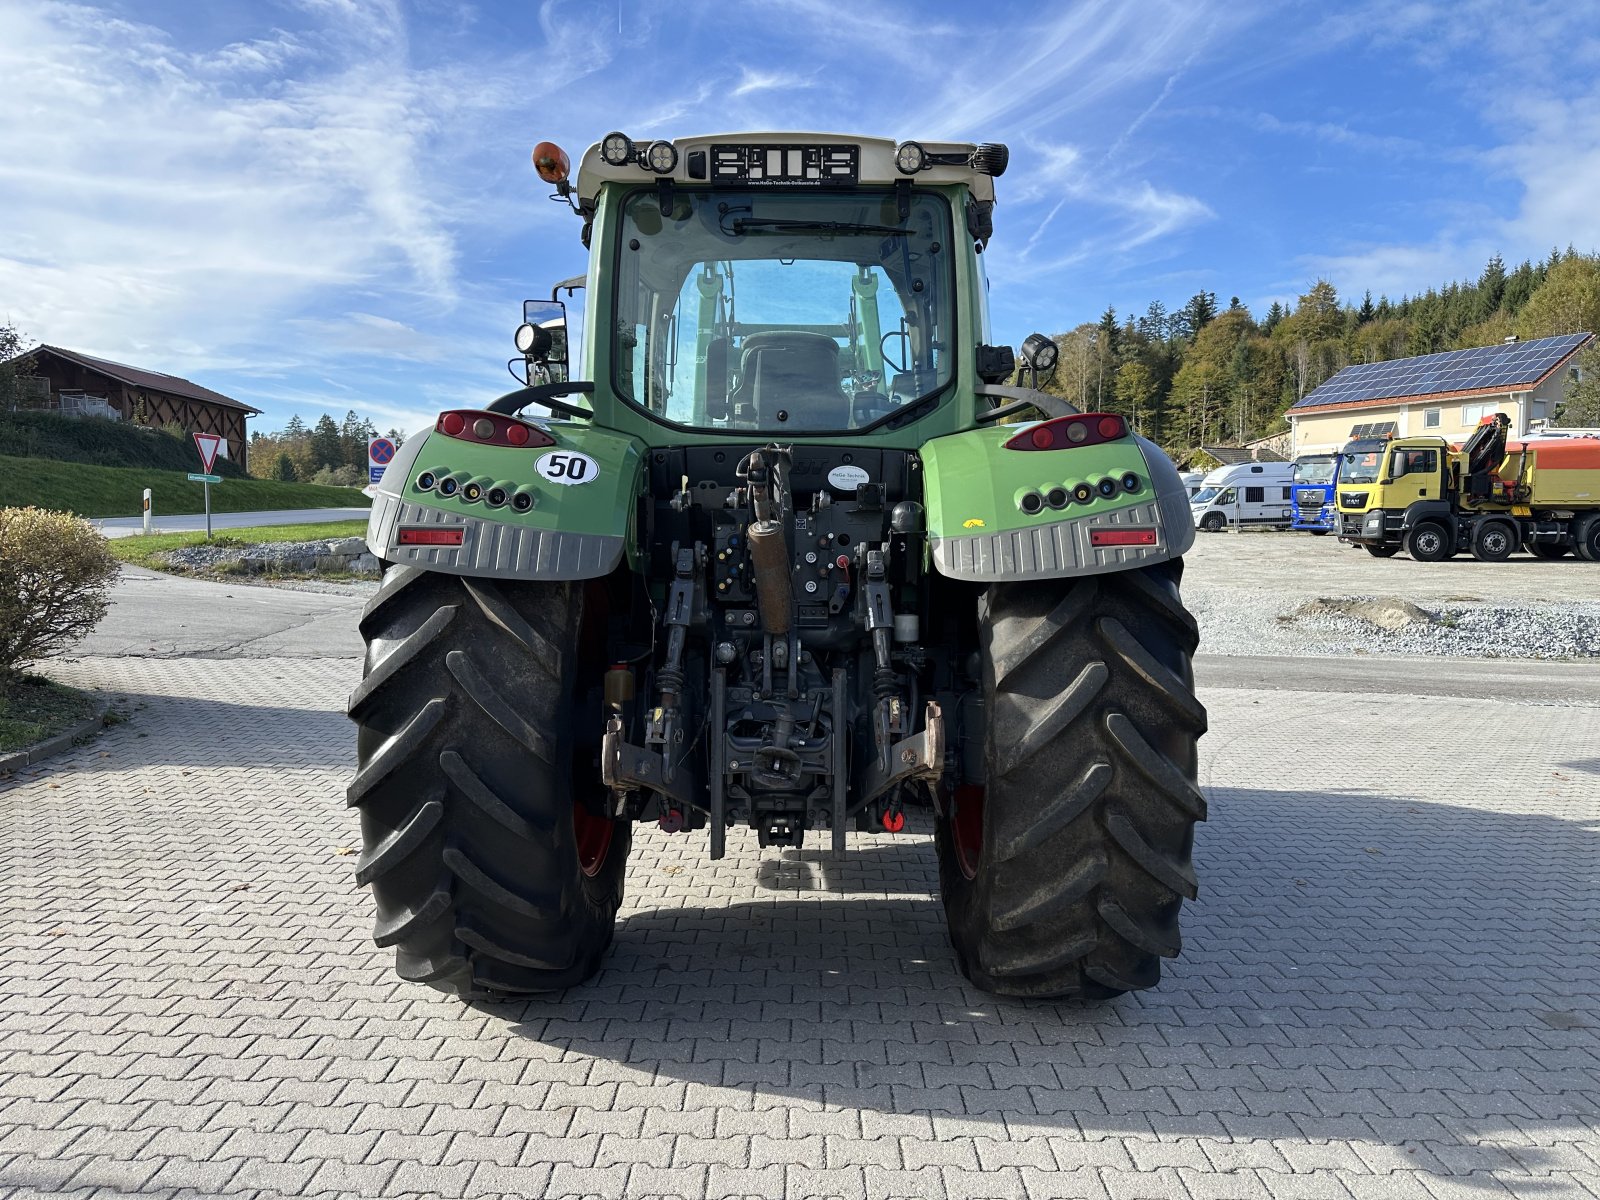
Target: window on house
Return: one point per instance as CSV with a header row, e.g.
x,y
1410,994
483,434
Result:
x,y
1471,414
1430,418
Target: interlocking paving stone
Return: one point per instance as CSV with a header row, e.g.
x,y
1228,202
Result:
x,y
1390,986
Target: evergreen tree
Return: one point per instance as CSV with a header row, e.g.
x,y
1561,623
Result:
x,y
296,428
1491,287
1275,314
1366,312
327,447
283,468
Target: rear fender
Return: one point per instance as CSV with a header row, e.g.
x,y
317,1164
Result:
x,y
978,528
580,524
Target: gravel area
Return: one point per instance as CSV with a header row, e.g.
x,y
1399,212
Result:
x,y
340,555
1268,593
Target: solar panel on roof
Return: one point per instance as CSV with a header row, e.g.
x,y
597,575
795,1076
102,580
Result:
x,y
1483,368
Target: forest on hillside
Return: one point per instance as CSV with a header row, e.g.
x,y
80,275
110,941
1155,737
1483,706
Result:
x,y
328,452
1208,375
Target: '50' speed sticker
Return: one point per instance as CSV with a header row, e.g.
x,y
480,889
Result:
x,y
568,467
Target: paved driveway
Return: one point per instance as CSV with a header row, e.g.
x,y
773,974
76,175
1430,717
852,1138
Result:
x,y
1388,988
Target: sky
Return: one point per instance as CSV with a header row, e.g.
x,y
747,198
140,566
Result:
x,y
325,205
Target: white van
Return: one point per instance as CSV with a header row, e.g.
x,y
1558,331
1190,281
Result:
x,y
1244,494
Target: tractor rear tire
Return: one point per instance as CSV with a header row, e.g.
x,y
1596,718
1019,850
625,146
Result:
x,y
494,869
1063,876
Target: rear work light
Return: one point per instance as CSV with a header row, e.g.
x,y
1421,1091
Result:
x,y
431,535
491,429
1064,433
1122,537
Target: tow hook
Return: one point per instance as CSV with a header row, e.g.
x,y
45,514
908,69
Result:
x,y
671,821
893,820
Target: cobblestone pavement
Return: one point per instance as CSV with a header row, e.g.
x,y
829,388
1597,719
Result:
x,y
1390,987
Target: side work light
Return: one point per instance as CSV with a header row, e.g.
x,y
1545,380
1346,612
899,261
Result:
x,y
910,157
661,157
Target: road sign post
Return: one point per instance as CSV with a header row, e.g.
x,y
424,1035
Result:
x,y
147,510
380,452
207,444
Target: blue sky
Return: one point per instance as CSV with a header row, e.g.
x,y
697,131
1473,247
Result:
x,y
319,205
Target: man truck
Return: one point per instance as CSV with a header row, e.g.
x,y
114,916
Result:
x,y
1312,503
1489,497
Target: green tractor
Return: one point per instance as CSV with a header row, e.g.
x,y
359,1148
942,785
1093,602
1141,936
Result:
x,y
791,552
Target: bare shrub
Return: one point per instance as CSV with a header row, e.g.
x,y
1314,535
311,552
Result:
x,y
55,584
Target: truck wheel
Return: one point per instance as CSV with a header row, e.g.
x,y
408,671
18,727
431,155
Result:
x,y
1381,551
1212,522
1063,876
1586,539
1429,541
492,866
1493,542
1547,549
1320,532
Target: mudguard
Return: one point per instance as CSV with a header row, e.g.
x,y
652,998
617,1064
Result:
x,y
977,493
583,491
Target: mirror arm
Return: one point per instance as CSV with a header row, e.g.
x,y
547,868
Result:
x,y
1050,406
545,394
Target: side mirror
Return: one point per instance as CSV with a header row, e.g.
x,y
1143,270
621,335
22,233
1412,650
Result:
x,y
542,340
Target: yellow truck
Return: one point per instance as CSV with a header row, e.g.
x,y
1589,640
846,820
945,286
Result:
x,y
1433,500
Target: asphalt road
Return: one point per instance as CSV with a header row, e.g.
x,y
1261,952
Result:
x,y
115,527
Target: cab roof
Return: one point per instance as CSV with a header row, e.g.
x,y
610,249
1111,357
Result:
x,y
796,160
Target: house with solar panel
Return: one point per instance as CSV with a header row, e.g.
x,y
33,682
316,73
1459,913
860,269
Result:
x,y
1443,395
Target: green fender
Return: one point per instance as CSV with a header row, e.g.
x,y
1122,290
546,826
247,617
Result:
x,y
583,490
978,494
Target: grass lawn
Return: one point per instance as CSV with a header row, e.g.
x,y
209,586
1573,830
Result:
x,y
32,709
141,551
92,491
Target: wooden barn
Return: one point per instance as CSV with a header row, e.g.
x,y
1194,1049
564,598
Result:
x,y
79,384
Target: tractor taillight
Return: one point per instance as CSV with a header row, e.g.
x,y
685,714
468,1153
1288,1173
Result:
x,y
1064,433
491,429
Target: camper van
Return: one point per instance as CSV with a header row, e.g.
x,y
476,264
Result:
x,y
1244,494
1193,480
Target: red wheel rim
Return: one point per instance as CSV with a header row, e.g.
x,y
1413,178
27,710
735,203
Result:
x,y
594,839
966,828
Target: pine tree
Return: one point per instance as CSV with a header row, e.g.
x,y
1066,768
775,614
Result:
x,y
1275,314
1366,312
283,468
296,428
1491,287
327,447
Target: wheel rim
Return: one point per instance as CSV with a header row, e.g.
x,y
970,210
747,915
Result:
x,y
593,837
1429,542
966,828
1495,542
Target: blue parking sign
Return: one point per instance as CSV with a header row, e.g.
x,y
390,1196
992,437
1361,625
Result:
x,y
376,473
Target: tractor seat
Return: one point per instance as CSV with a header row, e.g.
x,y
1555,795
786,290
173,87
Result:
x,y
794,373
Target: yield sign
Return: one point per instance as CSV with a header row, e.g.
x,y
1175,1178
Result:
x,y
208,443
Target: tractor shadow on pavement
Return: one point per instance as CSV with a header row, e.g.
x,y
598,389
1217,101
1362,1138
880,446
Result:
x,y
1416,977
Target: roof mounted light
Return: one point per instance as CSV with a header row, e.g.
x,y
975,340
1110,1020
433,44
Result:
x,y
552,163
910,157
661,157
617,149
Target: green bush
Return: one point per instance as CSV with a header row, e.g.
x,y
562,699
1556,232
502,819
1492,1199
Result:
x,y
102,443
55,584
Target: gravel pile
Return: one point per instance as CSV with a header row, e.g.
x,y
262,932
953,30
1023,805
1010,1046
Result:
x,y
1237,622
342,555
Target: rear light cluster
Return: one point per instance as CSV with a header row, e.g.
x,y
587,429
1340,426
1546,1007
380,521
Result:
x,y
491,429
1068,433
494,494
1059,496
